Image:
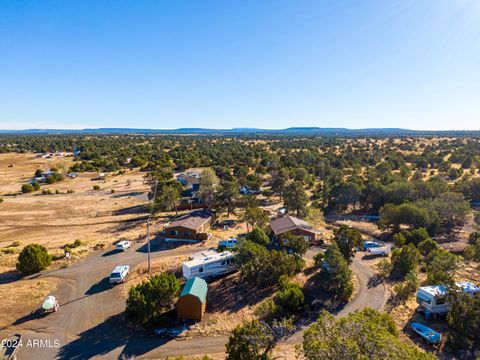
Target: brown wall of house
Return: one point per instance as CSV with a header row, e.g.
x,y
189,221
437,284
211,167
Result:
x,y
301,232
182,233
189,307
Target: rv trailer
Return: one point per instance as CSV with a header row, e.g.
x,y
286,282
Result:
x,y
210,266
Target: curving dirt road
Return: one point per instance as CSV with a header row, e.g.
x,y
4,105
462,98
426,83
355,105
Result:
x,y
90,322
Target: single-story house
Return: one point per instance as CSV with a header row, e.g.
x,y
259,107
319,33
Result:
x,y
188,226
193,300
291,225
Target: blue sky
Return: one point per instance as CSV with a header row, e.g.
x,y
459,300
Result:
x,y
223,64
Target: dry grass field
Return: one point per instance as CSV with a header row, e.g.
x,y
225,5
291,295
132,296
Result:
x,y
92,216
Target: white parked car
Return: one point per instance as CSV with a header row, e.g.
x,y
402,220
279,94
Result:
x,y
123,245
119,274
384,250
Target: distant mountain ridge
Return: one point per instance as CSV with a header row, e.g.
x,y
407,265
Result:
x,y
245,131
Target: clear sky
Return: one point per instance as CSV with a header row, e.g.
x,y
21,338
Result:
x,y
247,63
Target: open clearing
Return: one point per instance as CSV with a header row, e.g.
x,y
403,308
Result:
x,y
93,216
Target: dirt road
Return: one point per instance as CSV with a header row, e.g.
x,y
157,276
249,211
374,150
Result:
x,y
90,322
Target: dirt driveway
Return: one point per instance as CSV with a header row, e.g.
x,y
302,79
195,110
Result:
x,y
90,323
90,320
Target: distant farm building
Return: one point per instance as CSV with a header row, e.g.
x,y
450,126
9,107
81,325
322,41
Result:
x,y
190,226
289,225
193,300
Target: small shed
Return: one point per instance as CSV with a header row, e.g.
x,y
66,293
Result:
x,y
193,300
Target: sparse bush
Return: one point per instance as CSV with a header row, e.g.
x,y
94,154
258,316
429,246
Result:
x,y
258,236
409,286
26,188
441,265
427,246
112,191
36,185
77,243
47,192
16,243
318,259
1,200
202,236
9,250
405,259
96,187
147,301
384,268
70,191
33,258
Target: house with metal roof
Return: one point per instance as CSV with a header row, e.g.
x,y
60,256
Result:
x,y
188,227
193,300
289,225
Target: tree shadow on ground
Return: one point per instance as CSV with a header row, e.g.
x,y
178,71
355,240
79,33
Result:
x,y
131,210
229,294
9,277
132,194
34,315
106,337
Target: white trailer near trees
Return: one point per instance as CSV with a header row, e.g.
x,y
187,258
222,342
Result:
x,y
433,299
209,266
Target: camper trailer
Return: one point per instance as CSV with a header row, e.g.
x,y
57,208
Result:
x,y
210,266
433,299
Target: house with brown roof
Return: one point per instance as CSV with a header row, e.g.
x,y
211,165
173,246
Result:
x,y
293,226
189,226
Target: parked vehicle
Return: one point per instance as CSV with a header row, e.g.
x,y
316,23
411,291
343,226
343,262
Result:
x,y
371,244
119,274
210,266
50,304
425,332
383,251
229,243
123,245
433,299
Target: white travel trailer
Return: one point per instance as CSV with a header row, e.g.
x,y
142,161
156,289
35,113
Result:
x,y
203,254
210,266
433,299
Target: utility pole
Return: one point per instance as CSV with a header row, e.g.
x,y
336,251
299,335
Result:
x,y
148,223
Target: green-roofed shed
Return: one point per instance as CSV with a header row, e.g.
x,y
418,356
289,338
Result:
x,y
193,300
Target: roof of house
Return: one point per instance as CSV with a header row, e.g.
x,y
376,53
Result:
x,y
288,223
193,220
196,287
